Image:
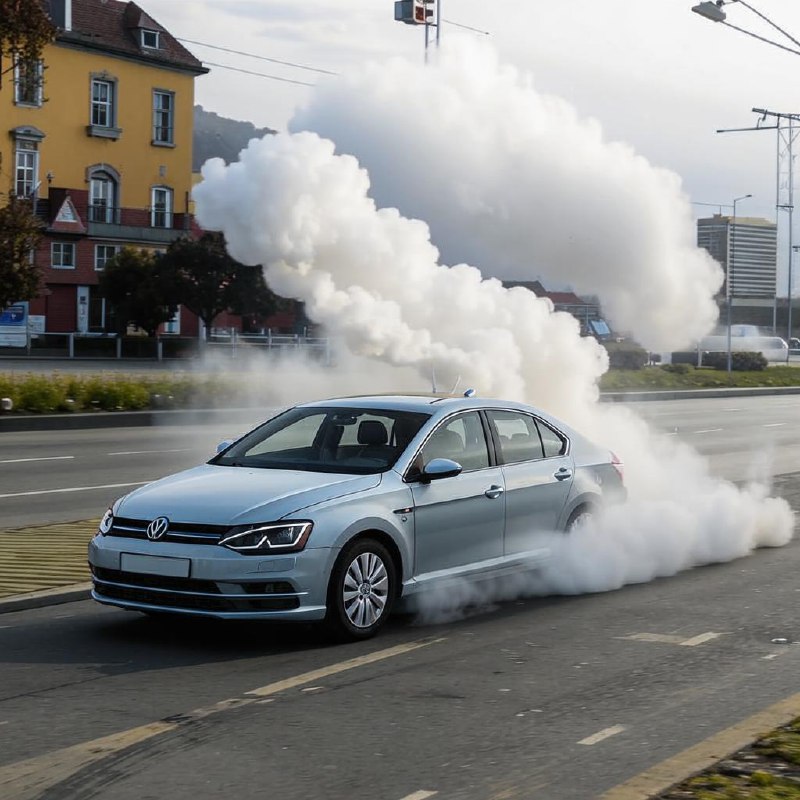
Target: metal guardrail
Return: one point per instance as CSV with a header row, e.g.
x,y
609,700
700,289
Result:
x,y
112,346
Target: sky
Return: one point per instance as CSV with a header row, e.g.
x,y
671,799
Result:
x,y
651,72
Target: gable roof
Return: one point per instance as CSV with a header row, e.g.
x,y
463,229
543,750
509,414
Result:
x,y
114,27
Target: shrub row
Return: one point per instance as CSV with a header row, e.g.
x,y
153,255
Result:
x,y
46,394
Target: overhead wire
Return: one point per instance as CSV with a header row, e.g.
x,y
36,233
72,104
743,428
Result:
x,y
259,74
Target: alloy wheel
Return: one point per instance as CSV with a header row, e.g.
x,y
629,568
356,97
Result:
x,y
366,590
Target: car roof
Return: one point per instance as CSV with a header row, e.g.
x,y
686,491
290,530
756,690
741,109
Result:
x,y
397,402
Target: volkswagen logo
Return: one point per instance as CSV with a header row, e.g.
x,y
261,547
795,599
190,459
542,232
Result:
x,y
157,528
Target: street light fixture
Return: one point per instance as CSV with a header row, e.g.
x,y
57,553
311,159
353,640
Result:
x,y
729,273
712,11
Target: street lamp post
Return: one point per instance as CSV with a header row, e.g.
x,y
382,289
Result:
x,y
729,273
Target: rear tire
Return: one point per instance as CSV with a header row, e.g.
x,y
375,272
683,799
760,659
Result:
x,y
361,591
580,516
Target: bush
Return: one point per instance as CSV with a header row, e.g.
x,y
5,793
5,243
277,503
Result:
x,y
624,355
740,361
677,369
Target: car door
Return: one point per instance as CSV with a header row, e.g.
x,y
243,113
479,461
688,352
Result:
x,y
458,520
537,473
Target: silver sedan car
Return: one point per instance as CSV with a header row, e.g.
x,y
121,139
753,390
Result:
x,y
340,510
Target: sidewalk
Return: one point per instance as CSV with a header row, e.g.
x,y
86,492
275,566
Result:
x,y
44,565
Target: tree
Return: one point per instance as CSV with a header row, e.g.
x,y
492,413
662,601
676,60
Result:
x,y
20,232
210,281
138,293
25,30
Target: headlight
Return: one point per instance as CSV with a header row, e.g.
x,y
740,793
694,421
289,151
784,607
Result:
x,y
106,523
286,537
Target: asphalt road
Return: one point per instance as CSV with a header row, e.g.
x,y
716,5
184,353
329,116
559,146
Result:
x,y
552,698
59,476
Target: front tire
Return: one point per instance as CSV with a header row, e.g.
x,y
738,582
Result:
x,y
361,591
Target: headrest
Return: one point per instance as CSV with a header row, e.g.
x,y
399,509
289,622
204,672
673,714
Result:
x,y
371,431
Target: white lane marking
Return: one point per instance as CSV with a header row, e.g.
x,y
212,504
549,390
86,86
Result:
x,y
710,430
422,794
773,424
4,722
63,616
603,734
143,452
700,639
313,689
667,638
27,460
731,409
74,489
772,656
653,637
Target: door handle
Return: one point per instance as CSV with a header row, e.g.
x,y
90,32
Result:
x,y
493,492
562,474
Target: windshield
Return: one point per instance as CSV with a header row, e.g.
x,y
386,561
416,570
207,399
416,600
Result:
x,y
350,440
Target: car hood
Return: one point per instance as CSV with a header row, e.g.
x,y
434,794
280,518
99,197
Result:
x,y
216,495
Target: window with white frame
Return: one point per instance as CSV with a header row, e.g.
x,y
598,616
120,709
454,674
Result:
x,y
28,81
102,197
62,255
103,103
150,39
163,117
27,168
161,207
103,253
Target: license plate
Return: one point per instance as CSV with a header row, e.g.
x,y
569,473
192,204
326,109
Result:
x,y
155,565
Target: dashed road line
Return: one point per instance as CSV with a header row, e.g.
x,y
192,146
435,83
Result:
x,y
669,638
43,458
711,430
701,639
600,736
145,452
422,794
74,489
29,779
773,424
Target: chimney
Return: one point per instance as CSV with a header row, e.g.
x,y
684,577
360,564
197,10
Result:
x,y
61,14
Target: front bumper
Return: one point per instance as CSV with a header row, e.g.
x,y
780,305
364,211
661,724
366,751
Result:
x,y
220,583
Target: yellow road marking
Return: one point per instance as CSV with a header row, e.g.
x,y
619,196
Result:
x,y
694,759
343,666
26,780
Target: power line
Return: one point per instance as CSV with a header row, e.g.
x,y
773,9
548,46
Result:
x,y
259,74
466,27
260,58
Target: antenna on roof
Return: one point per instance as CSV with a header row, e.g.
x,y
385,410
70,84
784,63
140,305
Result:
x,y
469,393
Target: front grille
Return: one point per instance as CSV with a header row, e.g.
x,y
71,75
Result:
x,y
191,594
185,532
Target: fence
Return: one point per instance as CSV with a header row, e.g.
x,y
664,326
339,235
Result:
x,y
228,343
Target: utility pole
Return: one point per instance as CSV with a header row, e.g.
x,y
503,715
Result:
x,y
787,129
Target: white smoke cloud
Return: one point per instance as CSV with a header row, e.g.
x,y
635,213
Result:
x,y
516,183
372,277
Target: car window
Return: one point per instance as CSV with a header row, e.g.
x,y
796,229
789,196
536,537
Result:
x,y
517,435
554,443
460,439
349,440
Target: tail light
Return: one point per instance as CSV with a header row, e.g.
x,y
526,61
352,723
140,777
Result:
x,y
618,466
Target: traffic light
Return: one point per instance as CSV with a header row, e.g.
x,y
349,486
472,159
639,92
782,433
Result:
x,y
423,11
414,12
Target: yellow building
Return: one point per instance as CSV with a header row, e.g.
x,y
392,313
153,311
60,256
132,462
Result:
x,y
100,135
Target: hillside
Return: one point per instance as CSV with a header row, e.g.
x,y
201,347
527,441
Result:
x,y
216,136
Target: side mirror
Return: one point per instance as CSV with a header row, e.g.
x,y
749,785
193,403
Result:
x,y
224,445
439,468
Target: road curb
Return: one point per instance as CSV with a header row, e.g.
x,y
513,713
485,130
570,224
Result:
x,y
47,597
696,394
117,419
198,416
